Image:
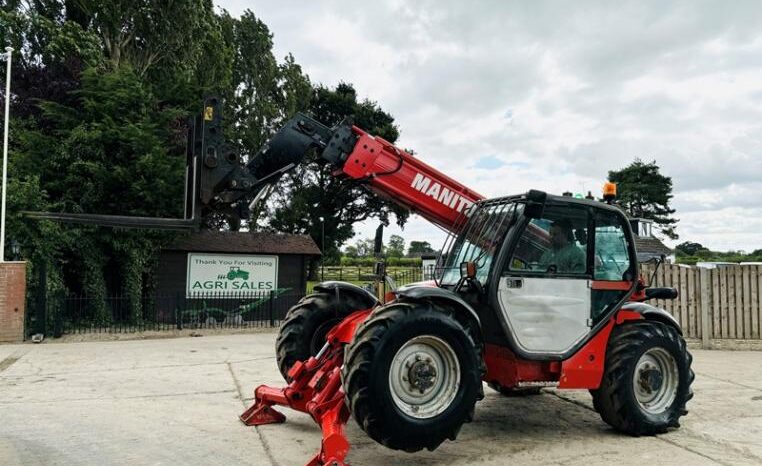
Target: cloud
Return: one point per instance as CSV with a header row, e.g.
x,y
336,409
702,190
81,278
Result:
x,y
556,93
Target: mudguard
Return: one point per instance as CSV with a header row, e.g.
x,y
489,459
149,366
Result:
x,y
653,313
337,288
421,292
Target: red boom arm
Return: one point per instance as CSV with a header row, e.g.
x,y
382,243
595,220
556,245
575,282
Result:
x,y
388,170
395,174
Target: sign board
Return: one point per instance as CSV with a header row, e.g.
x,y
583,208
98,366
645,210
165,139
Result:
x,y
231,274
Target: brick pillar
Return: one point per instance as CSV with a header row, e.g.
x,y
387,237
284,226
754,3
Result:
x,y
12,297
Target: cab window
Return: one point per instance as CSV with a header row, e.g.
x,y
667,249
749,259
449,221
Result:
x,y
554,244
612,258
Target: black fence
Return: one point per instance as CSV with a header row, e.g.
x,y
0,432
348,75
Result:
x,y
115,314
58,314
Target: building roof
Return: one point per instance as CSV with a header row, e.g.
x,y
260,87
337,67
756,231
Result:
x,y
245,242
648,247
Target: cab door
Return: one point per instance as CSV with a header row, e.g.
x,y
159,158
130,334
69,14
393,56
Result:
x,y
545,289
615,263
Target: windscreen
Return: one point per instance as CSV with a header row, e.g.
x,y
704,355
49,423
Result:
x,y
484,227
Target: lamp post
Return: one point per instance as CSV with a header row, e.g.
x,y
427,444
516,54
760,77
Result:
x,y
8,55
322,248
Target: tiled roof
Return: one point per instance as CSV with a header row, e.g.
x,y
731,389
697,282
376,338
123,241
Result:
x,y
648,247
245,242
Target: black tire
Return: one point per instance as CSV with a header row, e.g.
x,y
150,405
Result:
x,y
366,375
514,392
616,401
302,332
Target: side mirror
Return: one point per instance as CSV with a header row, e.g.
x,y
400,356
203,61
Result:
x,y
468,270
535,203
468,277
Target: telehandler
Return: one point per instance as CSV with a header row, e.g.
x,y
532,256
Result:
x,y
532,290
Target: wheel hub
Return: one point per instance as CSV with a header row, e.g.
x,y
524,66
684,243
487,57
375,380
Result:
x,y
424,377
655,380
650,379
422,374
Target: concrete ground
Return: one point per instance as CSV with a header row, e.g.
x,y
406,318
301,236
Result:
x,y
177,401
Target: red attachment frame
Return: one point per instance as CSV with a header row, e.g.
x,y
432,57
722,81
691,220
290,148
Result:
x,y
395,174
315,389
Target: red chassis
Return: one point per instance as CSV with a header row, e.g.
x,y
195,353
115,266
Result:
x,y
315,386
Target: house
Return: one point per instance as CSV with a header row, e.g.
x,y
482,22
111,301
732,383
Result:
x,y
647,245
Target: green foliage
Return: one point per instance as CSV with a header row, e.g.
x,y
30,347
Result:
x,y
396,246
102,89
419,248
310,192
690,253
688,248
645,193
390,261
349,251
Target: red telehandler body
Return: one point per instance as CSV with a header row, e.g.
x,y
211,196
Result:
x,y
531,291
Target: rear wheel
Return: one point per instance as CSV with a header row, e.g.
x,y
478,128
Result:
x,y
647,380
306,325
412,376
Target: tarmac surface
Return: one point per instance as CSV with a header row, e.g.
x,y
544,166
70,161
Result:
x,y
176,401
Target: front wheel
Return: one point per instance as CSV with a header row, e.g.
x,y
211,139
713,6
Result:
x,y
303,331
647,380
412,376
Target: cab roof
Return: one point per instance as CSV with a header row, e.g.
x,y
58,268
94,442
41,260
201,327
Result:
x,y
553,199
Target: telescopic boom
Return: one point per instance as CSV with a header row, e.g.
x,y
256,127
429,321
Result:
x,y
386,169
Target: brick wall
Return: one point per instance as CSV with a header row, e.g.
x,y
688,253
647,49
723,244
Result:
x,y
12,296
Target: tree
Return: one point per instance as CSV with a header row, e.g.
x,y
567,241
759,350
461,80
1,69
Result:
x,y
310,191
396,246
688,248
419,248
109,153
645,193
350,251
365,247
101,91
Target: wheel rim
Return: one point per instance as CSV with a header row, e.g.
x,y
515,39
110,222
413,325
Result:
x,y
424,377
656,380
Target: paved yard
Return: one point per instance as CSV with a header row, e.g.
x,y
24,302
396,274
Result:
x,y
176,402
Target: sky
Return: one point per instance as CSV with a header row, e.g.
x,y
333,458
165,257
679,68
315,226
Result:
x,y
511,96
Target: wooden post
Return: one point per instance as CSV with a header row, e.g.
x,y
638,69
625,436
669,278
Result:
x,y
705,285
746,270
755,304
691,310
731,302
739,301
716,310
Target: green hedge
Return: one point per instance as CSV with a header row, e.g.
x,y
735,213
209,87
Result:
x,y
393,261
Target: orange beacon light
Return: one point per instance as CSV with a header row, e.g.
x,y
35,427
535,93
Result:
x,y
609,192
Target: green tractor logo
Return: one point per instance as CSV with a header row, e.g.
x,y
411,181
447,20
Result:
x,y
236,272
